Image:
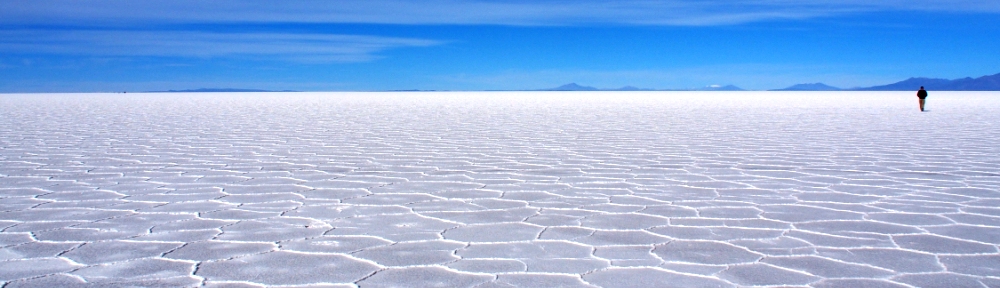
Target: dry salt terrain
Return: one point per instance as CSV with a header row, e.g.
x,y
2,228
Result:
x,y
529,189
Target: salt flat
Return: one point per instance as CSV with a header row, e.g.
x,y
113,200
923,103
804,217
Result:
x,y
542,189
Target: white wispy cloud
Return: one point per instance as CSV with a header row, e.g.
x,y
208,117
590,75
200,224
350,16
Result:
x,y
510,12
283,46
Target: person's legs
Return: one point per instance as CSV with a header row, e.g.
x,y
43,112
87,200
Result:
x,y
921,104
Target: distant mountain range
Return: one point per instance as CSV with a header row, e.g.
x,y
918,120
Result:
x,y
985,83
222,90
810,87
577,87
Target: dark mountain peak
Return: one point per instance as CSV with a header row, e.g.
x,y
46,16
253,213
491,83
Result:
x,y
572,87
809,87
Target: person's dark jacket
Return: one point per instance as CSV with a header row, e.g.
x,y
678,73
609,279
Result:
x,y
922,94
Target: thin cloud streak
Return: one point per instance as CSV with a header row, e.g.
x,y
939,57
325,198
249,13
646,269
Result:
x,y
295,47
436,12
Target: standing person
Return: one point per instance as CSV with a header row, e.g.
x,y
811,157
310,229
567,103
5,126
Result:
x,y
922,95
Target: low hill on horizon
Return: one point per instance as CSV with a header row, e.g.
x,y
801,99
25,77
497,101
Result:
x,y
577,87
220,90
809,87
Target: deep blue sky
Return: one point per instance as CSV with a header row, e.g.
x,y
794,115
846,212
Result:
x,y
117,45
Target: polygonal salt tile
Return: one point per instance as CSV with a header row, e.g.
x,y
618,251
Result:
x,y
892,259
238,214
554,220
500,203
761,274
264,189
288,268
670,211
968,232
8,239
910,218
990,282
973,219
397,227
54,280
942,245
827,268
608,207
565,233
191,207
332,194
469,194
55,214
704,252
683,232
444,205
601,237
20,203
693,268
221,284
193,224
412,253
429,186
82,235
218,250
838,227
177,197
391,199
981,265
334,244
777,246
532,250
854,283
540,280
111,251
836,197
269,230
147,268
24,268
502,232
801,213
488,265
266,207
487,216
567,266
36,250
626,253
938,280
423,277
340,211
180,236
623,221
842,241
728,212
649,277
82,195
176,281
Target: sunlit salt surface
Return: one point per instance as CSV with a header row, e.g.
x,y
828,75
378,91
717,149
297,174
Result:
x,y
616,189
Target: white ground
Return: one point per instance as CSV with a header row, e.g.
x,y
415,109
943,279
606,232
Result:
x,y
852,189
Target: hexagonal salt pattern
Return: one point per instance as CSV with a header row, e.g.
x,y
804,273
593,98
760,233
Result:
x,y
851,189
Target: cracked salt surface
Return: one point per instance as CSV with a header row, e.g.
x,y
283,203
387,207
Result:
x,y
609,189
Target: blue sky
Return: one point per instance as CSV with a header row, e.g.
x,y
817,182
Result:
x,y
126,45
